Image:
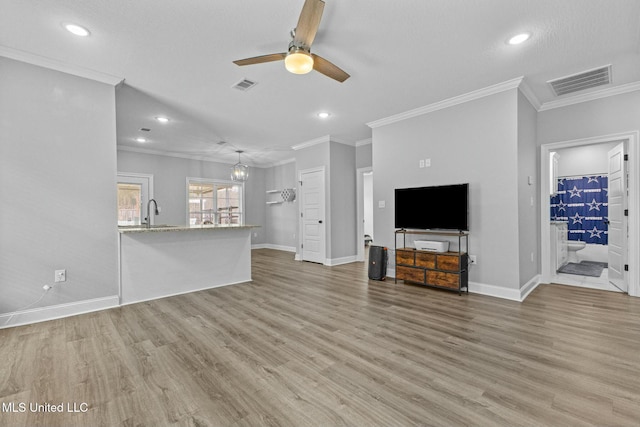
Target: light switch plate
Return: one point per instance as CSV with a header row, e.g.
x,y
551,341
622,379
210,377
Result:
x,y
381,203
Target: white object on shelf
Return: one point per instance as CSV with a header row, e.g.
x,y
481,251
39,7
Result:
x,y
432,245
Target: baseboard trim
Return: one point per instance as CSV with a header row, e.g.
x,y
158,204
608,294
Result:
x,y
44,314
276,247
494,291
186,292
339,261
529,287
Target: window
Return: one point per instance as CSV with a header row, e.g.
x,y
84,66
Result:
x,y
129,204
214,202
134,191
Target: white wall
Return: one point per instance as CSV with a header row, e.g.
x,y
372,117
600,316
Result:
x,y
474,142
281,220
170,189
58,187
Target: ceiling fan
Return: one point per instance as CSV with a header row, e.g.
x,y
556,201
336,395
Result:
x,y
299,59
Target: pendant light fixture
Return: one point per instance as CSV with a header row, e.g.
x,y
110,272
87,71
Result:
x,y
239,171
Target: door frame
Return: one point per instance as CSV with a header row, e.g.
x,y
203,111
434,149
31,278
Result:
x,y
360,211
123,176
633,202
300,255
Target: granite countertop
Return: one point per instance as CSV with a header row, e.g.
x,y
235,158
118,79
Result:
x,y
165,228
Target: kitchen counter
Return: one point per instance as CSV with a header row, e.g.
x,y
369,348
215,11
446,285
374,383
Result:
x,y
162,261
165,228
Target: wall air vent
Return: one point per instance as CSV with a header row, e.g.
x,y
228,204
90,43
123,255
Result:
x,y
244,85
581,81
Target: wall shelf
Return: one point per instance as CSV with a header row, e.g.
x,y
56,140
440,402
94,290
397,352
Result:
x,y
285,195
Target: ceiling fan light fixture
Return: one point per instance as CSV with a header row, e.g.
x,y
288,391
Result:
x,y
298,61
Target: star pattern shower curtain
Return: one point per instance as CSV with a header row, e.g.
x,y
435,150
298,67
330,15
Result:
x,y
583,203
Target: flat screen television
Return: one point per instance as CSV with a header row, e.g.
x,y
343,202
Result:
x,y
443,207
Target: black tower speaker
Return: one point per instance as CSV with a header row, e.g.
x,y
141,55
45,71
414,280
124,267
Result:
x,y
377,263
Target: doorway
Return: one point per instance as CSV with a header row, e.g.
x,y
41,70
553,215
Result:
x,y
364,215
630,233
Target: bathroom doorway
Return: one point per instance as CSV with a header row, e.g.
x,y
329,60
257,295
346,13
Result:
x,y
582,161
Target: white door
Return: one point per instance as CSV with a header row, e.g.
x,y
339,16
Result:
x,y
617,219
312,212
134,191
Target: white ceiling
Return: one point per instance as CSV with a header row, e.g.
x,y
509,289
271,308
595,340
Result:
x,y
176,59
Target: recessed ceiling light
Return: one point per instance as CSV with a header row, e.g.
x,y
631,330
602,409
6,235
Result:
x,y
77,30
162,119
324,115
519,38
141,140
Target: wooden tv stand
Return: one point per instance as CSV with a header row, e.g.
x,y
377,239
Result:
x,y
445,270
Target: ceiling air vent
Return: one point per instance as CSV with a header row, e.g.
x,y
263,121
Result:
x,y
244,85
581,81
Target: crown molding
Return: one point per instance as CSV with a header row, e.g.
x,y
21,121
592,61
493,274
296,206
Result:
x,y
591,96
456,100
321,140
311,142
525,89
200,158
362,142
172,154
281,163
41,61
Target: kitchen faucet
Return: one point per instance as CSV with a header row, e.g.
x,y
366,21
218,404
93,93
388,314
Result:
x,y
155,211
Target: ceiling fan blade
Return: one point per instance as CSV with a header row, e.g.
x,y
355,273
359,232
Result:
x,y
260,59
308,23
325,67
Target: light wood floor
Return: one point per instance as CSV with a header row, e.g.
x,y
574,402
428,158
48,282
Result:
x,y
308,345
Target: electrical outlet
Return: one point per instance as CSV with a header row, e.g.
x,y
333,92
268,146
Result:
x,y
421,163
427,163
473,259
60,276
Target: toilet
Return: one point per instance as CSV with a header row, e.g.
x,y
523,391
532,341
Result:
x,y
573,246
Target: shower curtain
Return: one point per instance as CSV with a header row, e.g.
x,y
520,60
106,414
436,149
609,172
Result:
x,y
584,203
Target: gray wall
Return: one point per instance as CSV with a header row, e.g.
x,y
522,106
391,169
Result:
x,y
339,161
528,194
281,220
475,142
585,160
343,201
615,114
58,186
170,190
364,156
